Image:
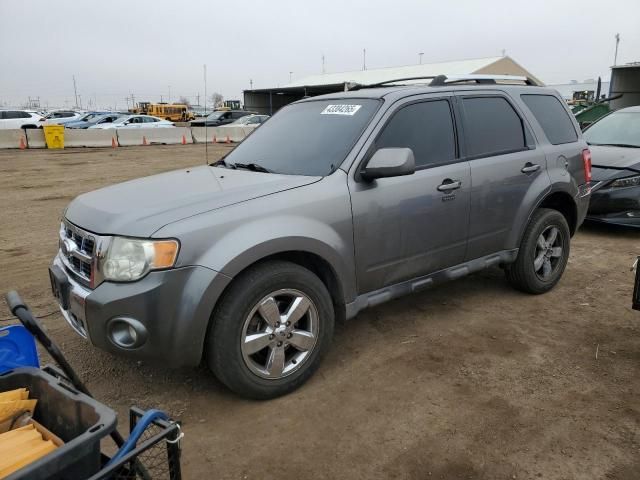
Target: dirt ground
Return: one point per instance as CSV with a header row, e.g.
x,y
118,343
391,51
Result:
x,y
471,380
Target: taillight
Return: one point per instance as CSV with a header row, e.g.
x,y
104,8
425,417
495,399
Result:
x,y
586,161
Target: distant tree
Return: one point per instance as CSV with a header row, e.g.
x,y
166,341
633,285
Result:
x,y
216,99
185,101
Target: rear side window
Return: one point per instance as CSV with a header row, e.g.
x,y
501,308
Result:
x,y
552,117
426,128
492,127
16,114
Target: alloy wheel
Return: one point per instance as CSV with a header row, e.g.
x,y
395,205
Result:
x,y
548,254
279,334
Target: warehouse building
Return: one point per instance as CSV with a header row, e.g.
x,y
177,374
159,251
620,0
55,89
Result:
x,y
269,100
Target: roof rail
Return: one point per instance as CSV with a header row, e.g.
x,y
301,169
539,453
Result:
x,y
442,80
358,86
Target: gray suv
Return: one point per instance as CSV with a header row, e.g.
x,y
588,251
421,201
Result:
x,y
337,203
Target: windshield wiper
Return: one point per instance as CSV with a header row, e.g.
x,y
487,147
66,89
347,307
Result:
x,y
223,163
624,145
251,166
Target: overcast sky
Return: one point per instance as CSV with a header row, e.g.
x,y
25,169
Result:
x,y
150,47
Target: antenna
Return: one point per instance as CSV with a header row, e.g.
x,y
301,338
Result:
x,y
75,91
206,137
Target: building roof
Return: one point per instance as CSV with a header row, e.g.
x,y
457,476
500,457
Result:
x,y
368,77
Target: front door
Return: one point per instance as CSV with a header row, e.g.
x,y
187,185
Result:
x,y
409,226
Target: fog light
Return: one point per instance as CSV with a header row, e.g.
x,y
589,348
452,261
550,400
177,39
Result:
x,y
126,332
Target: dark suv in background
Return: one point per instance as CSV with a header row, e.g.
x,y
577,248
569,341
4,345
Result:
x,y
220,117
337,203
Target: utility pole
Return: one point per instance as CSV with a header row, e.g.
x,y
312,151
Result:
x,y
364,59
323,63
290,76
75,91
198,98
251,83
615,57
169,99
420,57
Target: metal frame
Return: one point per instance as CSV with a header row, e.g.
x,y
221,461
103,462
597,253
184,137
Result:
x,y
443,80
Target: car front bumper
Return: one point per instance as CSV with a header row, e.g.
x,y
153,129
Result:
x,y
169,310
620,206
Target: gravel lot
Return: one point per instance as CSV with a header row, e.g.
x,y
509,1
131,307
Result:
x,y
470,380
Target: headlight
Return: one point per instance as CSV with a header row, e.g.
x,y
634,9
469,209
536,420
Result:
x,y
626,182
129,259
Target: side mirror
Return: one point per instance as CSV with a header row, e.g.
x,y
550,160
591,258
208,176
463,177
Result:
x,y
390,162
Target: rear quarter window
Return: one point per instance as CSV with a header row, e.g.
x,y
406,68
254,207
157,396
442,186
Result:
x,y
552,117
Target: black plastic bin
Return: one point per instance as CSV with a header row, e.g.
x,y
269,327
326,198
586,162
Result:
x,y
79,420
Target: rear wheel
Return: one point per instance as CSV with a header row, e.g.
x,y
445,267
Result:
x,y
270,330
543,253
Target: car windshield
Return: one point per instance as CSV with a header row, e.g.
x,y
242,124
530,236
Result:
x,y
308,138
619,128
215,115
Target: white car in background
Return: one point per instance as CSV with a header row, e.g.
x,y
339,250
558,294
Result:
x,y
136,121
19,119
60,117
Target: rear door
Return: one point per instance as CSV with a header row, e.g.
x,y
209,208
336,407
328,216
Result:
x,y
409,226
508,171
563,146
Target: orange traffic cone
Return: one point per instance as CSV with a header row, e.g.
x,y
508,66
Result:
x,y
114,144
215,140
22,144
144,140
228,140
184,140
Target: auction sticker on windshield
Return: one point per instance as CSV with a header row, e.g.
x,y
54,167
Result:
x,y
340,110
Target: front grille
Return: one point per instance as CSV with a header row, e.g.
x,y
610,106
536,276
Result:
x,y
77,249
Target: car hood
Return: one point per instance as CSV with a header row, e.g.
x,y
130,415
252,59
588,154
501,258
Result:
x,y
619,157
140,207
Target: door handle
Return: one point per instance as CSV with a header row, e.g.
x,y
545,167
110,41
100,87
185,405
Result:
x,y
530,167
449,185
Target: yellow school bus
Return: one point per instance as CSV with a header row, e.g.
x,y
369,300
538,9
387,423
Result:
x,y
174,112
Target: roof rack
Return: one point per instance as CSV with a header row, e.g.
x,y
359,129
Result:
x,y
441,80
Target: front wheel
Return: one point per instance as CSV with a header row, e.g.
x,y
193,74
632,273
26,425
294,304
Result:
x,y
543,253
270,330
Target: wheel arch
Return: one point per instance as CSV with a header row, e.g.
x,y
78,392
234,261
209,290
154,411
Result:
x,y
565,204
310,260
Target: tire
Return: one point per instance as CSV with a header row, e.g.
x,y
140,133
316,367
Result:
x,y
528,273
239,316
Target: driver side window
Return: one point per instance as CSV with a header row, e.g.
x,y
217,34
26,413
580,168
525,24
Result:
x,y
426,128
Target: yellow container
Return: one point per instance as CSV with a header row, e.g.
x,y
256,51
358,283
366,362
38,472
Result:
x,y
54,136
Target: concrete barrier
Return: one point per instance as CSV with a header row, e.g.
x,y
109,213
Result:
x,y
35,138
140,136
202,134
13,138
235,133
75,137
